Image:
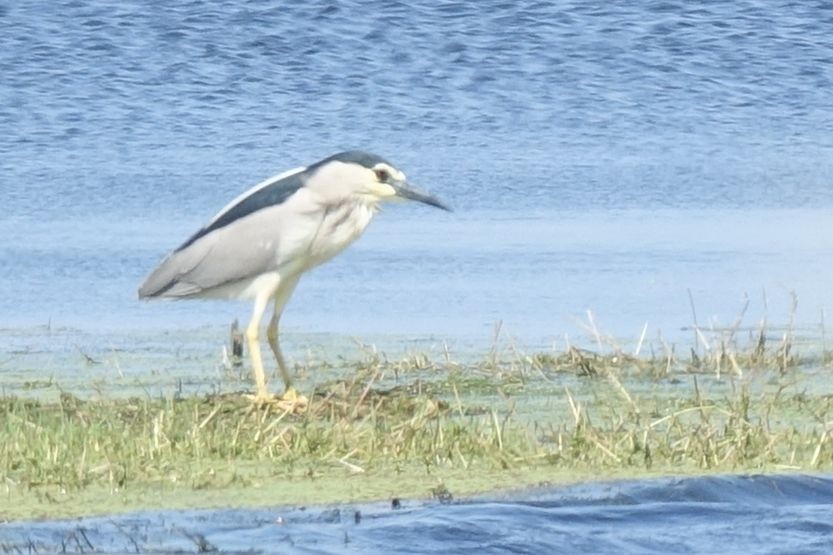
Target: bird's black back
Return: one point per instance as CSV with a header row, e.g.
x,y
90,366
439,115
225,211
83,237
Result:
x,y
277,192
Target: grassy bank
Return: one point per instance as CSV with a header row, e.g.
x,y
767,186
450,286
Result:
x,y
380,428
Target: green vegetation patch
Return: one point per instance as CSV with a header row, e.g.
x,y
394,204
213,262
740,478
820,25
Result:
x,y
379,428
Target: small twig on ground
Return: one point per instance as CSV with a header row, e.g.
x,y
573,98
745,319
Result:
x,y
89,360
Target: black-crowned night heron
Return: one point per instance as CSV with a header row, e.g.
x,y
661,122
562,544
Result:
x,y
260,244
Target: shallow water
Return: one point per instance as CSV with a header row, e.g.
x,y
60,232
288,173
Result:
x,y
755,514
606,158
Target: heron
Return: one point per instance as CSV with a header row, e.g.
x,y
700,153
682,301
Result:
x,y
260,244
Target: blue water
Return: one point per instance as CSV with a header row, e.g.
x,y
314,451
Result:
x,y
745,514
610,158
598,158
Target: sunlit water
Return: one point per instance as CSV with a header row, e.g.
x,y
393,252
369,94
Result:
x,y
604,158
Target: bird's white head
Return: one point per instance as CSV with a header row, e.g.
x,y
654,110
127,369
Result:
x,y
364,176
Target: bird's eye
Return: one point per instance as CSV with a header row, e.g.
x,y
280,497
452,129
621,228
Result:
x,y
382,175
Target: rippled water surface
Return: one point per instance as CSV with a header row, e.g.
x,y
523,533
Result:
x,y
606,158
610,158
789,514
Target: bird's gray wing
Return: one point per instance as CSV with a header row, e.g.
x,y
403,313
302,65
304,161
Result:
x,y
271,192
240,242
242,250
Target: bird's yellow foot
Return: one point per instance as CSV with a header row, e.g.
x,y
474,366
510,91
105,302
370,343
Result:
x,y
290,401
261,398
292,398
291,394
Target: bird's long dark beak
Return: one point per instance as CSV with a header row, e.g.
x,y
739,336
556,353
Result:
x,y
407,191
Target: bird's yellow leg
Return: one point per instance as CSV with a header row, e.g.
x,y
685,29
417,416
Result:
x,y
253,338
272,337
281,297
